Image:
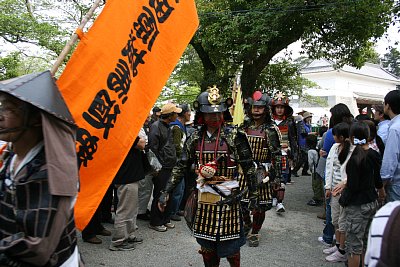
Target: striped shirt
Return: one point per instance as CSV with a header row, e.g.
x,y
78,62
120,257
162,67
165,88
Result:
x,y
376,232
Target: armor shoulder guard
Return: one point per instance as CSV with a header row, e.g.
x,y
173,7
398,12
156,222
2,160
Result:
x,y
273,127
274,133
190,141
230,130
235,131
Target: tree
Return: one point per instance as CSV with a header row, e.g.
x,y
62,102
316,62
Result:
x,y
20,23
9,66
243,36
391,61
37,30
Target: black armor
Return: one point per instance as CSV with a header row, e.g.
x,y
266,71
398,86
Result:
x,y
216,158
234,148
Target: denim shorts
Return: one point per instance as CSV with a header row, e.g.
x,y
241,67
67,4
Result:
x,y
358,220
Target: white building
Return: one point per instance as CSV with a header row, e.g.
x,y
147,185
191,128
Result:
x,y
357,88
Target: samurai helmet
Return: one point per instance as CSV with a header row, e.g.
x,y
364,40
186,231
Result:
x,y
259,99
281,100
211,101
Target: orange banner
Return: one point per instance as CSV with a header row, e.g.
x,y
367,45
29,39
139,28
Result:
x,y
112,81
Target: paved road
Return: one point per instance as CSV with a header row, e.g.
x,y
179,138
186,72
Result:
x,y
287,240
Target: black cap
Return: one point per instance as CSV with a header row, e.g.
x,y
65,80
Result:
x,y
185,108
156,109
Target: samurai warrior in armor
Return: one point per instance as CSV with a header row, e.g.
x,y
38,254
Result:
x,y
38,176
283,117
264,139
215,152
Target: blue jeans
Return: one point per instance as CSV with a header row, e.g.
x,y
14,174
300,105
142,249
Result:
x,y
176,196
329,230
392,192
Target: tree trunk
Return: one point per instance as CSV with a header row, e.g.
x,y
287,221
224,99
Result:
x,y
210,75
251,72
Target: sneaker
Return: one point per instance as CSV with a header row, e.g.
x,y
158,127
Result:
x,y
158,228
314,203
336,257
280,208
176,217
169,225
124,246
321,239
330,250
295,174
104,232
93,240
135,240
254,240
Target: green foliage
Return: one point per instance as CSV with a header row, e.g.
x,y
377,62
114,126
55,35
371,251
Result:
x,y
16,64
183,85
243,36
39,29
396,14
285,77
391,61
9,66
19,24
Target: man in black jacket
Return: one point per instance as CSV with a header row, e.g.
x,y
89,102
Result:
x,y
160,142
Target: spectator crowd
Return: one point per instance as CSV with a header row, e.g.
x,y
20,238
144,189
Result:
x,y
188,162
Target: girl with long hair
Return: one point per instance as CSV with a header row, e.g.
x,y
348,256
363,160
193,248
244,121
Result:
x,y
359,197
334,174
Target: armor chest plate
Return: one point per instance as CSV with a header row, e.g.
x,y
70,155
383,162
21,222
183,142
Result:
x,y
226,166
284,129
258,143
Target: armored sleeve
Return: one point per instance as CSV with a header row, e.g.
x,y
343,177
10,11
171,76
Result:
x,y
177,139
185,161
245,159
274,145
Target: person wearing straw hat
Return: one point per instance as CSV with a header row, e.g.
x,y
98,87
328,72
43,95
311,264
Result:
x,y
161,143
303,130
39,174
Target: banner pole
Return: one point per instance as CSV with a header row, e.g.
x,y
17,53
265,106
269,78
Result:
x,y
67,48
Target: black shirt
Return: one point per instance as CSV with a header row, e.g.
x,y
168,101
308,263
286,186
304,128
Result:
x,y
362,179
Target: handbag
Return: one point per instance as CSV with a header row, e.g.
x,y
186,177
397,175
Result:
x,y
153,162
345,197
190,209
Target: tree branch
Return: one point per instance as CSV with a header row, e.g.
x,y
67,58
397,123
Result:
x,y
203,55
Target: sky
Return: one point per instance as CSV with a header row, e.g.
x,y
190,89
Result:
x,y
389,39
